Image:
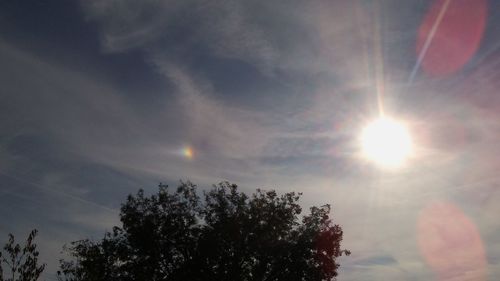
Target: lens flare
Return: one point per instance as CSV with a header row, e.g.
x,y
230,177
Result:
x,y
450,35
386,142
450,243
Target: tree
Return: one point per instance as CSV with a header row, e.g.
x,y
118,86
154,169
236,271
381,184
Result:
x,y
226,236
22,263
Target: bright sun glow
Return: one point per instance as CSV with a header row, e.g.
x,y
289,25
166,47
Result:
x,y
386,142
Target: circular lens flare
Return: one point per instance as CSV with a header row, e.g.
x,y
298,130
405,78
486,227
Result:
x,y
386,142
450,35
451,243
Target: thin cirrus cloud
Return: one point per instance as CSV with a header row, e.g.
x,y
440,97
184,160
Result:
x,y
222,27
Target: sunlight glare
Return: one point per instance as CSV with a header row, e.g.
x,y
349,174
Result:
x,y
386,142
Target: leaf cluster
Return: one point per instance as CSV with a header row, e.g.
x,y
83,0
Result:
x,y
20,263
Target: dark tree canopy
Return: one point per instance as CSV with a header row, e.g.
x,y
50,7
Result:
x,y
227,236
20,263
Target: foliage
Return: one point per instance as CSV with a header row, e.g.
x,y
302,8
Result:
x,y
227,236
22,262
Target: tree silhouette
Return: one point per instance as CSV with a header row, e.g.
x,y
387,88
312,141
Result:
x,y
226,236
22,262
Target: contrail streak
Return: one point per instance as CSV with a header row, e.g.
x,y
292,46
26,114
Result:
x,y
73,197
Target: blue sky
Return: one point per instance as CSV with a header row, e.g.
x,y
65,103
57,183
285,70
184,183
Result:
x,y
99,98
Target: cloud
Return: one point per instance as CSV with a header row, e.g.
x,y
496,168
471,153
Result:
x,y
165,26
379,260
294,37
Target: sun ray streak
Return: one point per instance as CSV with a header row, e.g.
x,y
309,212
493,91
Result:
x,y
379,62
363,34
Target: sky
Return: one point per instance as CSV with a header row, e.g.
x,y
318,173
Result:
x,y
99,98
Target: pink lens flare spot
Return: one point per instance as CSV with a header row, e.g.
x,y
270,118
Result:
x,y
450,243
452,31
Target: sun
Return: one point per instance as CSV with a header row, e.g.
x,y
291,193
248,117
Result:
x,y
386,142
